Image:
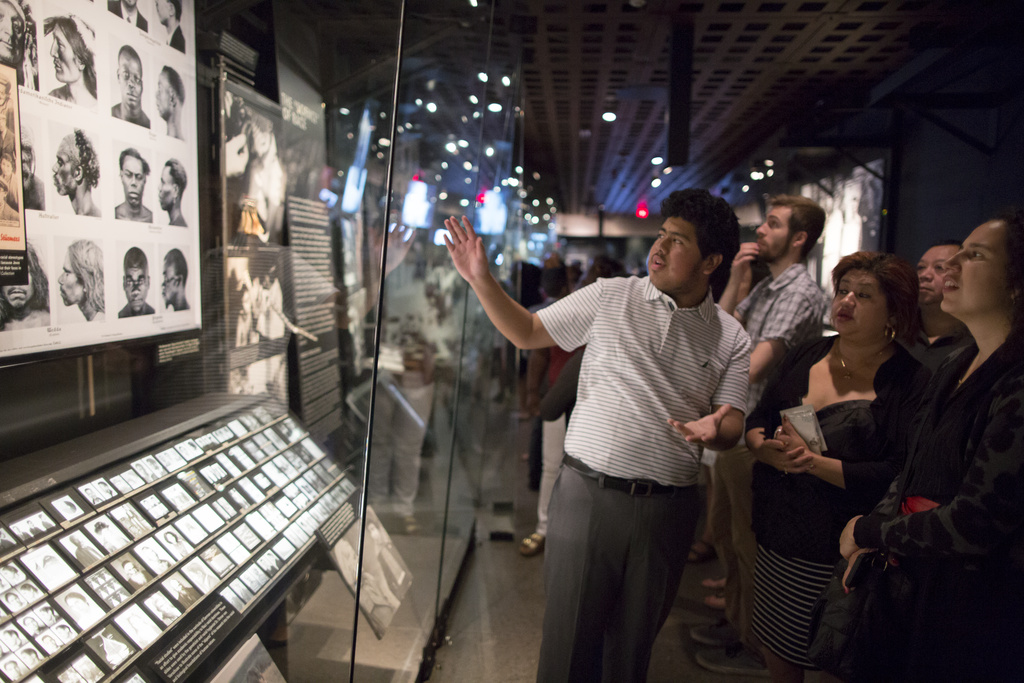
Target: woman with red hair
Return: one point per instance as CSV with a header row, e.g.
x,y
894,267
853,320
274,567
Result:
x,y
862,387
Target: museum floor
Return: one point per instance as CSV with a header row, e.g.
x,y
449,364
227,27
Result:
x,y
495,622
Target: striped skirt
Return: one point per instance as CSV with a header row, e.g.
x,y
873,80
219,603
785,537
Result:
x,y
785,590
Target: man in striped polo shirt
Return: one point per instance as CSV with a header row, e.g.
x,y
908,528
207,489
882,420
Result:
x,y
783,310
663,375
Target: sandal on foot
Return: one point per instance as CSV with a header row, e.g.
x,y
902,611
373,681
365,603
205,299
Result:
x,y
531,545
701,552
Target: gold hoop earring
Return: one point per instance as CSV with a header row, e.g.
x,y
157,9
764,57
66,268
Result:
x,y
890,332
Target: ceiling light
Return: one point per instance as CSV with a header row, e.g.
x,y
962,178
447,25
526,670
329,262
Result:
x,y
770,173
746,188
494,107
463,144
384,142
489,151
666,170
431,107
608,116
467,165
506,81
656,182
344,111
473,99
443,195
451,147
482,76
536,202
769,163
657,161
463,202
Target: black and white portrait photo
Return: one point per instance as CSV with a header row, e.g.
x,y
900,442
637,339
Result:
x,y
85,552
170,101
132,571
33,190
18,45
130,84
200,575
171,191
131,520
109,589
255,578
175,544
81,280
106,533
97,491
6,541
128,10
232,599
144,468
260,525
32,526
225,508
170,459
161,608
67,508
72,47
139,627
253,164
111,646
154,507
76,173
178,497
134,172
168,13
175,281
180,590
48,567
215,558
245,534
82,609
190,529
154,556
25,306
136,284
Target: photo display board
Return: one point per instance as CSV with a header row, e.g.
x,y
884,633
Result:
x,y
109,165
138,571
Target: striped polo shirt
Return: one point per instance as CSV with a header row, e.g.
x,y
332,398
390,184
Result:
x,y
646,360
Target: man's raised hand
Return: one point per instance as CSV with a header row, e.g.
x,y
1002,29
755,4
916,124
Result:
x,y
466,249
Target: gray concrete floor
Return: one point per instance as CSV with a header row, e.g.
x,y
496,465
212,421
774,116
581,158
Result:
x,y
494,627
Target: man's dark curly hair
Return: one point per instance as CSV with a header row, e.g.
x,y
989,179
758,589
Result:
x,y
1014,221
87,160
718,229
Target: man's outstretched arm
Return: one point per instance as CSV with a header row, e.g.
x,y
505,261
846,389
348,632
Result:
x,y
522,328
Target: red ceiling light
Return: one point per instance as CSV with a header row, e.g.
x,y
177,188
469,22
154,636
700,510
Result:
x,y
641,209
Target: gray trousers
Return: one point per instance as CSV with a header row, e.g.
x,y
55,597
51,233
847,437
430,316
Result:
x,y
612,566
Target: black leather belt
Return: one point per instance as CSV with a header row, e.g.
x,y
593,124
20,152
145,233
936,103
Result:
x,y
634,487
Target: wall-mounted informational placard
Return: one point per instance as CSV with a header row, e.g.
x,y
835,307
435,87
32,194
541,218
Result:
x,y
109,161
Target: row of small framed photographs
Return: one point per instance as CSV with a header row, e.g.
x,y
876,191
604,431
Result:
x,y
101,536
145,570
29,523
137,625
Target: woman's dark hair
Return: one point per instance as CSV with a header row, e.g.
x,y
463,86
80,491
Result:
x,y
718,229
1014,221
898,281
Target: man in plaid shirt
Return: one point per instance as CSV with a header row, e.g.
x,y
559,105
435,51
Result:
x,y
784,310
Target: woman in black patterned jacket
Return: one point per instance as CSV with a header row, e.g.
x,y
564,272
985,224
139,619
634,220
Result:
x,y
958,528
